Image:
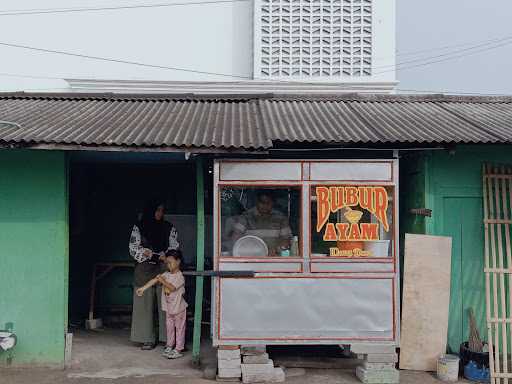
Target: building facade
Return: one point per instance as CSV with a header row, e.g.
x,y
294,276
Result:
x,y
72,150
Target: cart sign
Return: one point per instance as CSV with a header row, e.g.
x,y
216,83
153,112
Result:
x,y
331,200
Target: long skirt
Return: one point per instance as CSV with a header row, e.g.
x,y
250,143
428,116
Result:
x,y
147,312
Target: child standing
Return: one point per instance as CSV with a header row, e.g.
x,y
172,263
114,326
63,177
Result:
x,y
173,303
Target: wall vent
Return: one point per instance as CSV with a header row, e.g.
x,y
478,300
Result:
x,y
313,39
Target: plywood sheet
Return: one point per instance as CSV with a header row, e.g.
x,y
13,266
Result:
x,y
426,299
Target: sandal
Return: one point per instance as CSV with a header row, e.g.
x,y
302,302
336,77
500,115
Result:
x,y
148,346
174,355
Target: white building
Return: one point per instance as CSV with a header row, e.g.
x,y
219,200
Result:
x,y
224,47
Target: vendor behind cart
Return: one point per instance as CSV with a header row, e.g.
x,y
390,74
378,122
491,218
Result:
x,y
266,223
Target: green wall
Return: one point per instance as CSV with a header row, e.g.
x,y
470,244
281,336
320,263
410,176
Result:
x,y
412,191
452,183
34,254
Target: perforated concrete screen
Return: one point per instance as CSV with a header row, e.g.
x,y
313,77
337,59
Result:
x,y
323,39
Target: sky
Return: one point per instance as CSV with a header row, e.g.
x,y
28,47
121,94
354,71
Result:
x,y
441,29
424,24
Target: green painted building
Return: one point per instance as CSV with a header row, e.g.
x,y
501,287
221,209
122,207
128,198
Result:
x,y
34,253
34,237
60,214
449,182
62,172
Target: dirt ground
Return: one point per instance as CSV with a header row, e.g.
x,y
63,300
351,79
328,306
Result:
x,y
294,375
107,356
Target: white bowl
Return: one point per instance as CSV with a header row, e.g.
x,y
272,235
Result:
x,y
250,246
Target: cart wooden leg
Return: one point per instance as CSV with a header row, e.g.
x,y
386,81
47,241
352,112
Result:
x,y
92,293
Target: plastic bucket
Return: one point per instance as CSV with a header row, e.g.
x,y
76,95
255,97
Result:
x,y
475,364
448,368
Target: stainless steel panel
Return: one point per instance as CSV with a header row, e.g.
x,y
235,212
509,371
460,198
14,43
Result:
x,y
397,247
334,267
305,170
305,226
261,267
348,171
216,229
231,171
312,308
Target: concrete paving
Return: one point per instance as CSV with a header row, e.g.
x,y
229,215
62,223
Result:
x,y
107,356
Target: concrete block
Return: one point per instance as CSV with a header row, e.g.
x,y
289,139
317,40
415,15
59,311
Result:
x,y
378,366
93,324
227,379
378,377
259,368
259,378
226,373
256,359
253,349
229,364
368,348
227,354
68,350
258,373
382,358
379,380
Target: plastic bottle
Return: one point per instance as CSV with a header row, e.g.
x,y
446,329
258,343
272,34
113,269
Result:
x,y
294,249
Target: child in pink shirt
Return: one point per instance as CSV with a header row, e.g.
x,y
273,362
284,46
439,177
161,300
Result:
x,y
173,303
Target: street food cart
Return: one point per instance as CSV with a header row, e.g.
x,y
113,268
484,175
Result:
x,y
341,285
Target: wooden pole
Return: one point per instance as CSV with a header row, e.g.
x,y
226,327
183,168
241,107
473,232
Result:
x,y
198,306
490,326
497,352
506,184
504,332
497,193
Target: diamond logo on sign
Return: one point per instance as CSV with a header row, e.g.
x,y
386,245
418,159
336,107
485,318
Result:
x,y
351,234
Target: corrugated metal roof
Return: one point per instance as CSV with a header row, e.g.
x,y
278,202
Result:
x,y
146,122
315,121
495,118
390,119
251,121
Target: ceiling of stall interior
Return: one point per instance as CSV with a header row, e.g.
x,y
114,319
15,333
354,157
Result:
x,y
128,157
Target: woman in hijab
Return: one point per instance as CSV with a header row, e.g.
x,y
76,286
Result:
x,y
151,237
